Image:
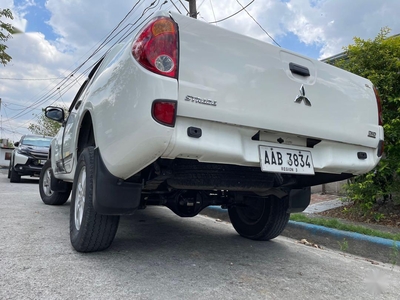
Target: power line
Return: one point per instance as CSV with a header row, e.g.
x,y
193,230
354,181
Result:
x,y
66,83
184,6
16,109
212,8
48,94
32,79
10,103
202,2
228,17
12,131
119,24
176,7
51,93
107,39
162,4
9,124
8,121
173,3
258,24
202,17
104,39
151,6
69,86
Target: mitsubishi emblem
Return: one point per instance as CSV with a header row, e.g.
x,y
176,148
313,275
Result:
x,y
302,97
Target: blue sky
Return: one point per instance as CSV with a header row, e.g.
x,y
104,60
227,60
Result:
x,y
37,17
291,41
61,34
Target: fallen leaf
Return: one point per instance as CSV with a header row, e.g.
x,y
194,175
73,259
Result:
x,y
307,243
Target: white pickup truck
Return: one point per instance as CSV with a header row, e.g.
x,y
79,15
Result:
x,y
186,115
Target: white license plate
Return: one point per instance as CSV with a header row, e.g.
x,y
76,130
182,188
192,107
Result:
x,y
282,160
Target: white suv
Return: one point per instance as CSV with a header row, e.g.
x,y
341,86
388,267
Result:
x,y
29,156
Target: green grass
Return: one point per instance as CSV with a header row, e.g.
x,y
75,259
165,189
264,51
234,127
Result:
x,y
333,223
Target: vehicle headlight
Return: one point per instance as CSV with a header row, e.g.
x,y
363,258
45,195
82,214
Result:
x,y
23,152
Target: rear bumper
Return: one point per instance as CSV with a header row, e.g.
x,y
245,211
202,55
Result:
x,y
230,144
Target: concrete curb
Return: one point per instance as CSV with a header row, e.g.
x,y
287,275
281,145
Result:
x,y
374,248
325,205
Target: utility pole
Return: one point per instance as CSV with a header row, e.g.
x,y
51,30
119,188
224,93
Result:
x,y
192,8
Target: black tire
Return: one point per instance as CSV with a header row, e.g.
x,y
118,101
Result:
x,y
260,218
14,176
89,231
49,196
9,170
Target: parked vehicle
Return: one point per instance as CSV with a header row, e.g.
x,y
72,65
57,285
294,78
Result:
x,y
186,115
29,156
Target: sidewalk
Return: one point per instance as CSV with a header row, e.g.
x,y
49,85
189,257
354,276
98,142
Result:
x,y
379,249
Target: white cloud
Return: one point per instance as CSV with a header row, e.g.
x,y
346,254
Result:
x,y
18,13
333,23
83,23
35,59
267,12
327,24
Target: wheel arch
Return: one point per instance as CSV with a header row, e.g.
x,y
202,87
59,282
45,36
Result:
x,y
106,186
49,154
86,137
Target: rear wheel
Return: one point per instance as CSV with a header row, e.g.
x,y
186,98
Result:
x,y
9,170
49,196
259,218
89,231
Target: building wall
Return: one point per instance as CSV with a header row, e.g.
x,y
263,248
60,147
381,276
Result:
x,y
5,156
334,188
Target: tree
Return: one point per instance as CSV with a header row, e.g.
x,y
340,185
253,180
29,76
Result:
x,y
44,126
6,30
379,61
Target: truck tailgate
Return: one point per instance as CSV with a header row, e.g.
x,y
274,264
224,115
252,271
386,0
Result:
x,y
230,78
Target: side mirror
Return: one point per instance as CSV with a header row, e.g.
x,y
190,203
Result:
x,y
54,113
16,144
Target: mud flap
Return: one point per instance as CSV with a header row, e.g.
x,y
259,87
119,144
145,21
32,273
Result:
x,y
112,195
299,199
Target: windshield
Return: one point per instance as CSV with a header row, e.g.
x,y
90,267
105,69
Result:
x,y
36,141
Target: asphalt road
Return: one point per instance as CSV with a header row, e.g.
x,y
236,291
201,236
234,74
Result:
x,y
157,255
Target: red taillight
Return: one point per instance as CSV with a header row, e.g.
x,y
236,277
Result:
x,y
164,112
381,148
378,101
156,47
